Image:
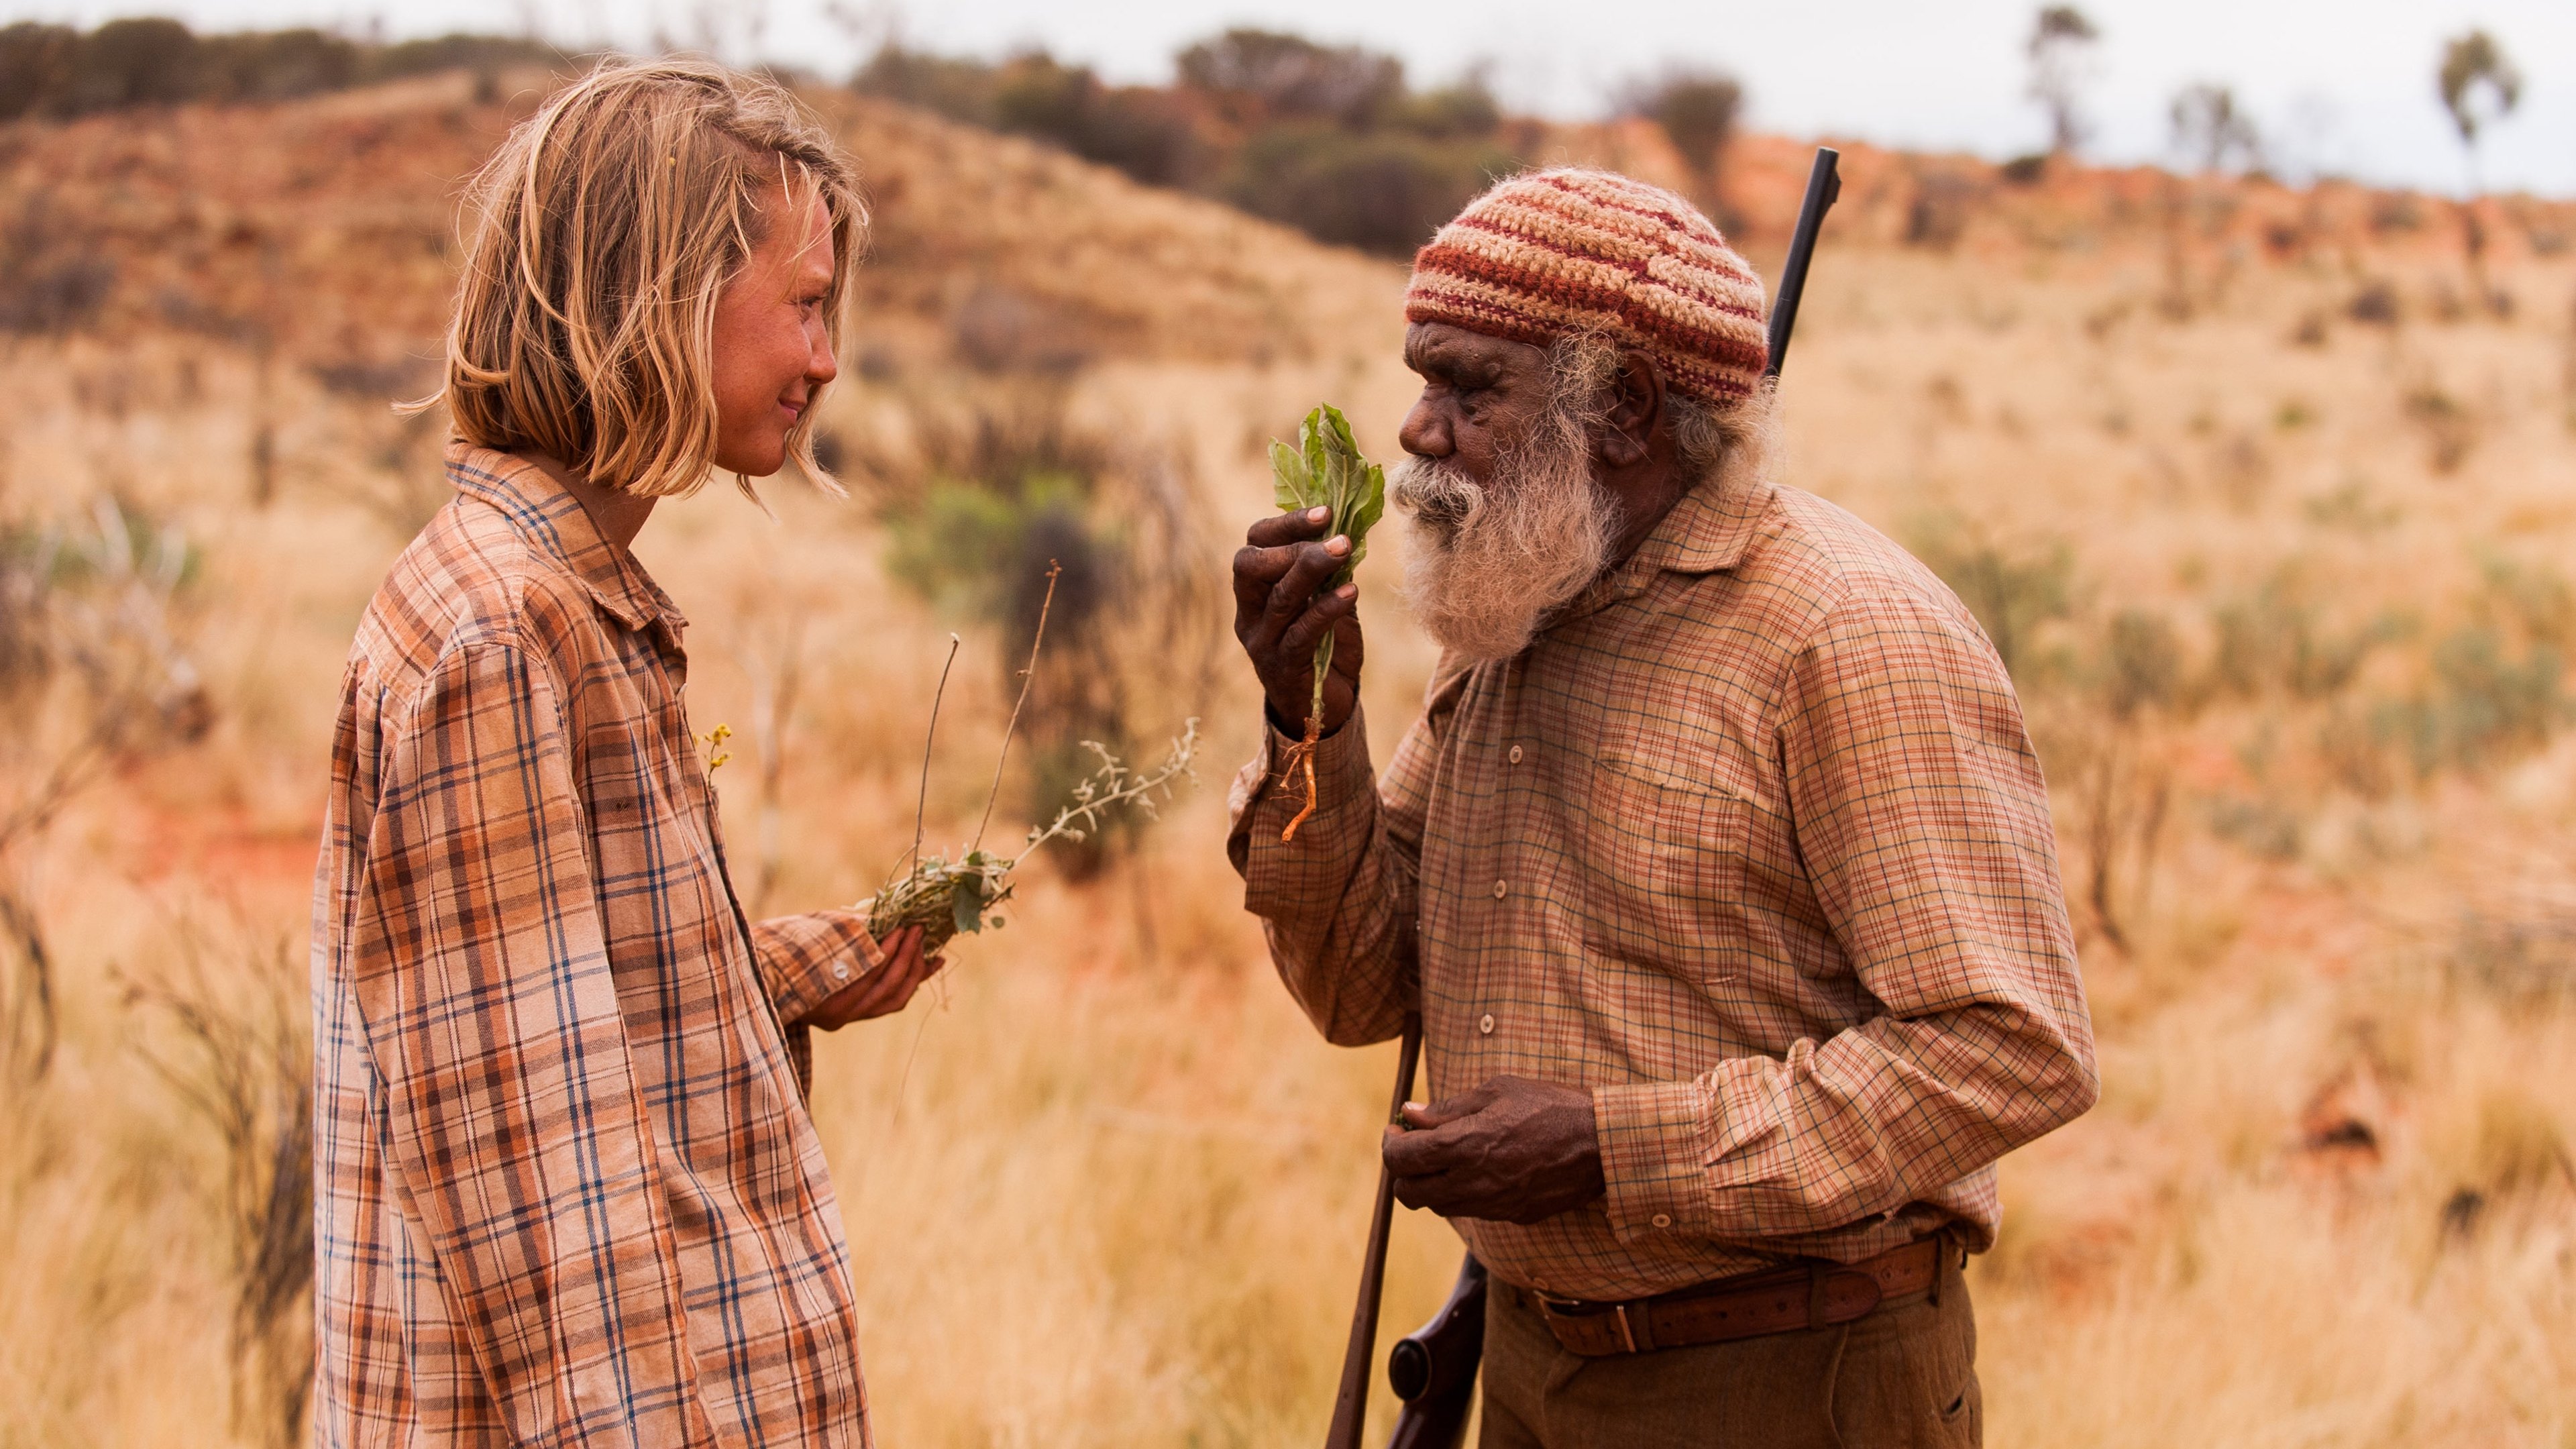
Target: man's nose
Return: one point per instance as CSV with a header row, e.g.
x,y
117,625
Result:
x,y
1425,433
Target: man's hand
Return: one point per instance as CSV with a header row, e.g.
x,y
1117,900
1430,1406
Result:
x,y
1511,1151
1280,618
884,991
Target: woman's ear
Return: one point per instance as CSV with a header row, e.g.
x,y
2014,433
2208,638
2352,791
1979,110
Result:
x,y
1636,409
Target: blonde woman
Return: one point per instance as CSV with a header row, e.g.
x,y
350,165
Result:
x,y
567,1192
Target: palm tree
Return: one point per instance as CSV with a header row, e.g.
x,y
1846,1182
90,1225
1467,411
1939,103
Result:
x,y
2479,86
2061,54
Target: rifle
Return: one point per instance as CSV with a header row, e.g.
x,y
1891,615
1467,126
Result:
x,y
1350,1405
1433,1369
1824,187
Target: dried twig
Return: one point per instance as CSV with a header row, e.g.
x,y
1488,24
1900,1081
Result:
x,y
1028,677
921,807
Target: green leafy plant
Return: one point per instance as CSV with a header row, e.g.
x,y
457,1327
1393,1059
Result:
x,y
1326,470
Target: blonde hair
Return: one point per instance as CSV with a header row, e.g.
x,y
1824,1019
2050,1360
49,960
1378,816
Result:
x,y
603,231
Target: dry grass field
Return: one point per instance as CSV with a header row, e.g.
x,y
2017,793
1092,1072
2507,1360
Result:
x,y
2270,509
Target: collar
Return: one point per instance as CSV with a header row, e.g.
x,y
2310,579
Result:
x,y
1708,530
558,526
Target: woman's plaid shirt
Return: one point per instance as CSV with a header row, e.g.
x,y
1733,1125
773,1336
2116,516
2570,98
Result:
x,y
1752,843
566,1190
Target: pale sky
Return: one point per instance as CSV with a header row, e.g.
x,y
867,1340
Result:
x,y
2338,85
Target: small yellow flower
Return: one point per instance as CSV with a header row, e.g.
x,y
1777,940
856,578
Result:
x,y
714,740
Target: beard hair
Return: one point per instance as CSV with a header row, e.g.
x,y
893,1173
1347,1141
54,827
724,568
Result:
x,y
1492,560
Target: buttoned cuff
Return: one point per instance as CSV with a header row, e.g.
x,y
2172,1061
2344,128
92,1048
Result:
x,y
1649,1135
1263,801
805,960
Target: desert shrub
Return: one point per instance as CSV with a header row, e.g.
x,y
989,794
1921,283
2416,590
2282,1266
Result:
x,y
91,675
2141,666
52,280
2491,689
1940,211
1697,110
1257,76
2374,302
2013,591
974,523
1136,129
456,51
956,87
35,66
276,65
2279,640
2450,430
1382,192
234,1043
2486,704
56,70
1462,111
142,62
1327,139
2522,957
2262,825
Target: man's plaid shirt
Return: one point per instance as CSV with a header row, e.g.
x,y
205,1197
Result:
x,y
1751,842
566,1190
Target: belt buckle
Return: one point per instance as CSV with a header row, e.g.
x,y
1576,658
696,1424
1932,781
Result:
x,y
1573,1309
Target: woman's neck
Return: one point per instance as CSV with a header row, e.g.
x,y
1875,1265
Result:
x,y
618,515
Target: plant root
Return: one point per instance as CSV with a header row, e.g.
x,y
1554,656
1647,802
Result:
x,y
1301,756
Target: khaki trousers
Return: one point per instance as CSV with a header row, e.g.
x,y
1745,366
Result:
x,y
1905,1376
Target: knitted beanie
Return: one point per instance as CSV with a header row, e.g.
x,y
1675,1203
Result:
x,y
1551,254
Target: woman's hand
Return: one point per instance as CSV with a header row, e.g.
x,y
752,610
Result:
x,y
884,991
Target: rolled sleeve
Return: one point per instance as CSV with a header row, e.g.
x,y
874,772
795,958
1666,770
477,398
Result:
x,y
806,960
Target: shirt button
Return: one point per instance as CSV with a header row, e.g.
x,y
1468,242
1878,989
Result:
x,y
1485,1024
1663,1220
1516,754
841,969
1502,888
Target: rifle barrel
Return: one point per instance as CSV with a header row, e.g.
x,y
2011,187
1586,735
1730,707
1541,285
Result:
x,y
1350,1405
1824,185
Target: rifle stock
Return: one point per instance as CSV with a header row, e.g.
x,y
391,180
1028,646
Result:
x,y
1433,1368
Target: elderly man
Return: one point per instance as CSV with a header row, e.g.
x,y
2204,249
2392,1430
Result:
x,y
1718,863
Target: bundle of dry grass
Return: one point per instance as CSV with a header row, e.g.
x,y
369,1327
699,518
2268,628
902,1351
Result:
x,y
947,898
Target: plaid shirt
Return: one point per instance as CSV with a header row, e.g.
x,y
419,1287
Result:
x,y
1751,843
566,1190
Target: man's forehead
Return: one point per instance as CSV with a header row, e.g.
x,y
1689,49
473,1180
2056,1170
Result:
x,y
1446,345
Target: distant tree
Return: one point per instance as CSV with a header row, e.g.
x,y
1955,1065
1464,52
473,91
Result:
x,y
2212,130
1268,75
1698,110
2479,86
2061,48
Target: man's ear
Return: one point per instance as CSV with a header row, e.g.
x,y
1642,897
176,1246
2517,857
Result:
x,y
1636,409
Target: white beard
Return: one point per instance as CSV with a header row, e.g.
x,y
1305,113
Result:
x,y
1489,562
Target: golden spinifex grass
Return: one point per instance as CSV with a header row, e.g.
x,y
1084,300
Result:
x,y
1325,470
948,898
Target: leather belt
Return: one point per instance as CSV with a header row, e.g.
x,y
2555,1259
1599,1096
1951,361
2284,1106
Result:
x,y
1776,1300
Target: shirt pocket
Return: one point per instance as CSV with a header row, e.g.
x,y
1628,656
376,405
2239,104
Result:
x,y
1667,866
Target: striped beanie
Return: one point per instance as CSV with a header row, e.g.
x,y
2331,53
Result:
x,y
1551,254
